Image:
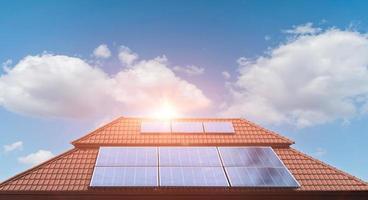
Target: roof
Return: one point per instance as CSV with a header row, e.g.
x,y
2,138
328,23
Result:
x,y
72,170
126,132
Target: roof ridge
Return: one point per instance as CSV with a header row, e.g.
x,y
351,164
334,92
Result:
x,y
24,173
330,166
269,131
98,129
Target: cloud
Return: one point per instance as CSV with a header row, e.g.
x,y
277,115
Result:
x,y
102,51
36,158
14,146
304,29
320,152
190,70
226,75
62,86
310,80
127,56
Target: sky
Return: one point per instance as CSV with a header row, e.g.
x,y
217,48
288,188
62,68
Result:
x,y
299,68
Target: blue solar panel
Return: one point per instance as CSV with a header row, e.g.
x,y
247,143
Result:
x,y
218,127
249,157
127,156
193,177
260,177
125,176
189,156
190,166
255,167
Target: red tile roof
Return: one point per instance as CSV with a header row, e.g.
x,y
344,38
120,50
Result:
x,y
126,131
72,170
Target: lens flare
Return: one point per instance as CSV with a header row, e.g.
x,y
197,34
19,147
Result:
x,y
165,111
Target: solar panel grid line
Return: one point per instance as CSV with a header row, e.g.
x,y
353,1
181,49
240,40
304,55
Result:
x,y
223,166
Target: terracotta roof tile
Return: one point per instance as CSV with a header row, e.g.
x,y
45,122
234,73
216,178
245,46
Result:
x,y
72,171
126,131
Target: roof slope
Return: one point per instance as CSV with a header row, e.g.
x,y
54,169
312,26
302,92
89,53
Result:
x,y
72,171
126,131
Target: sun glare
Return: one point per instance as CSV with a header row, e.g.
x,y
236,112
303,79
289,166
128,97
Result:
x,y
165,111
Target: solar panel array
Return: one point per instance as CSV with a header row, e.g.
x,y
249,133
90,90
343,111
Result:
x,y
186,127
190,167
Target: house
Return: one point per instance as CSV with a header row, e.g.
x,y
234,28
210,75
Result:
x,y
199,158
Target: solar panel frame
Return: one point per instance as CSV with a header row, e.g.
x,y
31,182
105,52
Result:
x,y
189,157
121,177
249,157
273,174
192,177
186,127
279,165
155,127
221,127
122,156
260,177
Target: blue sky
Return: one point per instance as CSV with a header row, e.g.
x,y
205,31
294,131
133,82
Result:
x,y
224,58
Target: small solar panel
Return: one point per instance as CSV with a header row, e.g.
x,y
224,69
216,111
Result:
x,y
156,127
187,127
189,156
260,177
125,176
127,156
218,127
249,157
193,177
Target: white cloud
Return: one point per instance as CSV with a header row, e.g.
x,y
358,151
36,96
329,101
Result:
x,y
127,56
190,70
102,51
62,86
267,37
313,79
14,146
320,152
304,29
226,75
36,158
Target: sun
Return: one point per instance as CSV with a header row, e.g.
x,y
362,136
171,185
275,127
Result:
x,y
166,111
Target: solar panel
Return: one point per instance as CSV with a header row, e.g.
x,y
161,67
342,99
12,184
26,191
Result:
x,y
260,177
249,157
156,127
125,176
193,177
189,156
218,127
127,156
187,127
255,167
